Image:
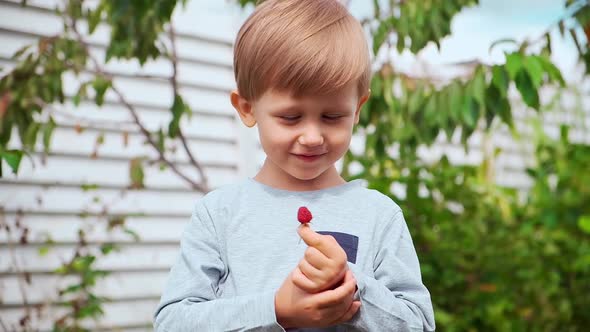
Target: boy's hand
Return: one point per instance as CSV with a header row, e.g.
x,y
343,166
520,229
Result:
x,y
324,264
296,308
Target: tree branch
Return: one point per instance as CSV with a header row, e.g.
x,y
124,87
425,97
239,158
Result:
x,y
133,111
174,81
77,118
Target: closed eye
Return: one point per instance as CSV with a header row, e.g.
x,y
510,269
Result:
x,y
290,118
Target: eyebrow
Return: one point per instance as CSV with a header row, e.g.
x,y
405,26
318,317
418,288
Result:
x,y
295,108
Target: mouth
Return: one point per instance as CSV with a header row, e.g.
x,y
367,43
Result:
x,y
309,157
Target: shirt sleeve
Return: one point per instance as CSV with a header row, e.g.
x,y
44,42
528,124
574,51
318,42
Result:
x,y
190,299
395,296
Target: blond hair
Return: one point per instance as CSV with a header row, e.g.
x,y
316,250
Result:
x,y
300,46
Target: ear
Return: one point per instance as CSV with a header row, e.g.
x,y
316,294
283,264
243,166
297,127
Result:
x,y
362,101
244,108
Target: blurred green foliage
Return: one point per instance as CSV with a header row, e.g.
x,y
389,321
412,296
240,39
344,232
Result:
x,y
494,258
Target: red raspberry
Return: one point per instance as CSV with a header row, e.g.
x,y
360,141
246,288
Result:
x,y
303,215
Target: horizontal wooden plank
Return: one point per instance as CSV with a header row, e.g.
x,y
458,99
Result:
x,y
205,124
188,19
190,73
117,286
64,229
127,315
63,199
130,256
70,170
155,93
123,145
204,97
32,20
37,22
201,126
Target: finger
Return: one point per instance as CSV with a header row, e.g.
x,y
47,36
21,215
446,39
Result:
x,y
316,258
326,244
352,310
338,295
309,236
331,270
311,272
302,282
339,309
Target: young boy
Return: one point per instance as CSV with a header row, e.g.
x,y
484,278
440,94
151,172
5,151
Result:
x,y
303,71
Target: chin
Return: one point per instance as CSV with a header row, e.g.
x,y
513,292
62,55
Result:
x,y
306,176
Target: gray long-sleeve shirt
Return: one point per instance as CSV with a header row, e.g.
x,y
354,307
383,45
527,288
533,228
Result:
x,y
242,242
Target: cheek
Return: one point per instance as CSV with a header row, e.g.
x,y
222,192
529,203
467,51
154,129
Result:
x,y
272,137
341,136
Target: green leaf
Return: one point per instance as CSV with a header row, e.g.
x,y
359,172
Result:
x,y
376,86
47,133
61,270
100,85
430,110
107,248
478,86
504,110
20,52
564,134
43,251
13,159
455,100
82,93
136,173
561,26
400,44
498,105
470,112
534,68
435,27
71,289
527,89
161,140
388,91
381,35
552,71
31,135
133,234
178,108
584,223
100,139
500,79
513,64
415,101
94,17
547,50
89,187
83,263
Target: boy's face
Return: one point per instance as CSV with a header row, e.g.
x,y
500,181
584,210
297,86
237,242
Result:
x,y
302,137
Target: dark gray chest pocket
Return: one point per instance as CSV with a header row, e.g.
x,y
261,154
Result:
x,y
348,242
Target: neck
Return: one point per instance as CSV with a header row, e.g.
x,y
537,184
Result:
x,y
273,176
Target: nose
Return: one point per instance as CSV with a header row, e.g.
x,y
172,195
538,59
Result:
x,y
311,137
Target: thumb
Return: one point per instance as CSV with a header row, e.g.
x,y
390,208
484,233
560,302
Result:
x,y
309,236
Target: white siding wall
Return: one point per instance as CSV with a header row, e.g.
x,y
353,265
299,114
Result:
x,y
50,197
51,200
